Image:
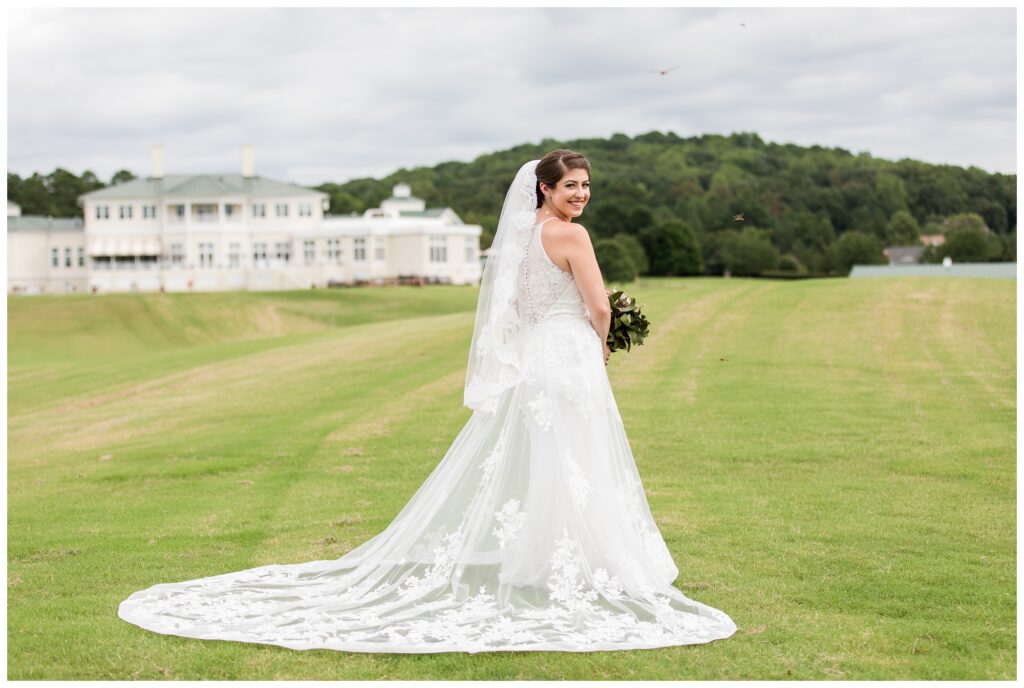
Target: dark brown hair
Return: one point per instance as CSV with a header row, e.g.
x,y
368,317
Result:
x,y
553,166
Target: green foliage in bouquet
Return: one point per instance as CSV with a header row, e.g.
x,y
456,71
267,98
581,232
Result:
x,y
629,324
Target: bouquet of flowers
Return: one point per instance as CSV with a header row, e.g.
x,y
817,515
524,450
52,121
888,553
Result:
x,y
629,324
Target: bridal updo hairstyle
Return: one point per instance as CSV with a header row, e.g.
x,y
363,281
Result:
x,y
553,166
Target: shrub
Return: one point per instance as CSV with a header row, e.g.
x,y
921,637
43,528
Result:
x,y
615,262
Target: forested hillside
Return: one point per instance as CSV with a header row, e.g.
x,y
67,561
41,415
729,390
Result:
x,y
666,205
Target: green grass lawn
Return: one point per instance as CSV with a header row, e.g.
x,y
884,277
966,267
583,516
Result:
x,y
832,463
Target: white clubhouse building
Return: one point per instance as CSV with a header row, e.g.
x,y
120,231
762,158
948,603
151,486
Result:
x,y
217,232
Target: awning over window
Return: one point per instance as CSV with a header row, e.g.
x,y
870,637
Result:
x,y
98,247
124,247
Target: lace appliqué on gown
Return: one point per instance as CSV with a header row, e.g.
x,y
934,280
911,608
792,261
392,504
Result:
x,y
511,520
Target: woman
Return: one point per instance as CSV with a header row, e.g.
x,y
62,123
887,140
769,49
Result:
x,y
533,532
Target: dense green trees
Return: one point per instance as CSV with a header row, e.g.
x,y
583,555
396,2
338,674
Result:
x,y
700,205
121,176
969,239
672,249
903,229
747,252
857,248
968,245
621,258
55,194
636,252
616,263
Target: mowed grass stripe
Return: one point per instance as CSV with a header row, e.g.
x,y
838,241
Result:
x,y
818,442
122,339
230,423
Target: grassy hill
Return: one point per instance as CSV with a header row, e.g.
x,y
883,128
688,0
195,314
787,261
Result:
x,y
832,463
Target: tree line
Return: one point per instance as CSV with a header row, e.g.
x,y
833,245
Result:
x,y
56,194
705,205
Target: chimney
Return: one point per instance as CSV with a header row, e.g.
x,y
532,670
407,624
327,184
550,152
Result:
x,y
157,156
247,167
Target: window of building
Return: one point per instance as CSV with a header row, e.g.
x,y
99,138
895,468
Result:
x,y
281,209
259,209
81,256
305,209
359,249
471,245
309,251
205,212
67,256
334,251
379,249
232,212
234,254
206,254
125,212
259,250
177,254
438,249
283,250
178,211
149,212
55,257
102,212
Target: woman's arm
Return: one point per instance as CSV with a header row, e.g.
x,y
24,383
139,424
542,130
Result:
x,y
580,254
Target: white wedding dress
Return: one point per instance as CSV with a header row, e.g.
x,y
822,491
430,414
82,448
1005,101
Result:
x,y
532,533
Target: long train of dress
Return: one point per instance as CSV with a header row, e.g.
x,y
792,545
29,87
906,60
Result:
x,y
532,533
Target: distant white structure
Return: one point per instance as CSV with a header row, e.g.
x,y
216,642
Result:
x,y
222,232
45,254
989,270
903,255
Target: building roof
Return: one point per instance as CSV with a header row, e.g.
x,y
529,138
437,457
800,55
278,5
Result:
x,y
933,239
378,213
904,254
431,221
200,186
37,223
429,212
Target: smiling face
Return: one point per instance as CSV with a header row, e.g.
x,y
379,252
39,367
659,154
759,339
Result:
x,y
569,196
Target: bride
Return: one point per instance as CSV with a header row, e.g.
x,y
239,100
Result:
x,y
533,532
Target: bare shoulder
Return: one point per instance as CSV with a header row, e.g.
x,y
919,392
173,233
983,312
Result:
x,y
570,233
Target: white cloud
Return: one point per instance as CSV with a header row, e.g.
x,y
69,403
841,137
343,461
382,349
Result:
x,y
331,94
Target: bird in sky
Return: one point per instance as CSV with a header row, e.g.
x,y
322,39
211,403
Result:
x,y
662,72
743,25
738,217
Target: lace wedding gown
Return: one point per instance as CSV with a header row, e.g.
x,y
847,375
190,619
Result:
x,y
532,533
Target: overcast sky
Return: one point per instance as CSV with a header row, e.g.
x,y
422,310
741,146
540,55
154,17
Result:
x,y
333,94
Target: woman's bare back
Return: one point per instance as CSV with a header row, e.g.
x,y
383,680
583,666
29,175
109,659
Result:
x,y
554,237
568,246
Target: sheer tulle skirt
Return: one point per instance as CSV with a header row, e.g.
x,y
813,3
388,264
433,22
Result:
x,y
532,533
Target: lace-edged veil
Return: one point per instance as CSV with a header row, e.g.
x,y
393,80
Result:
x,y
494,355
